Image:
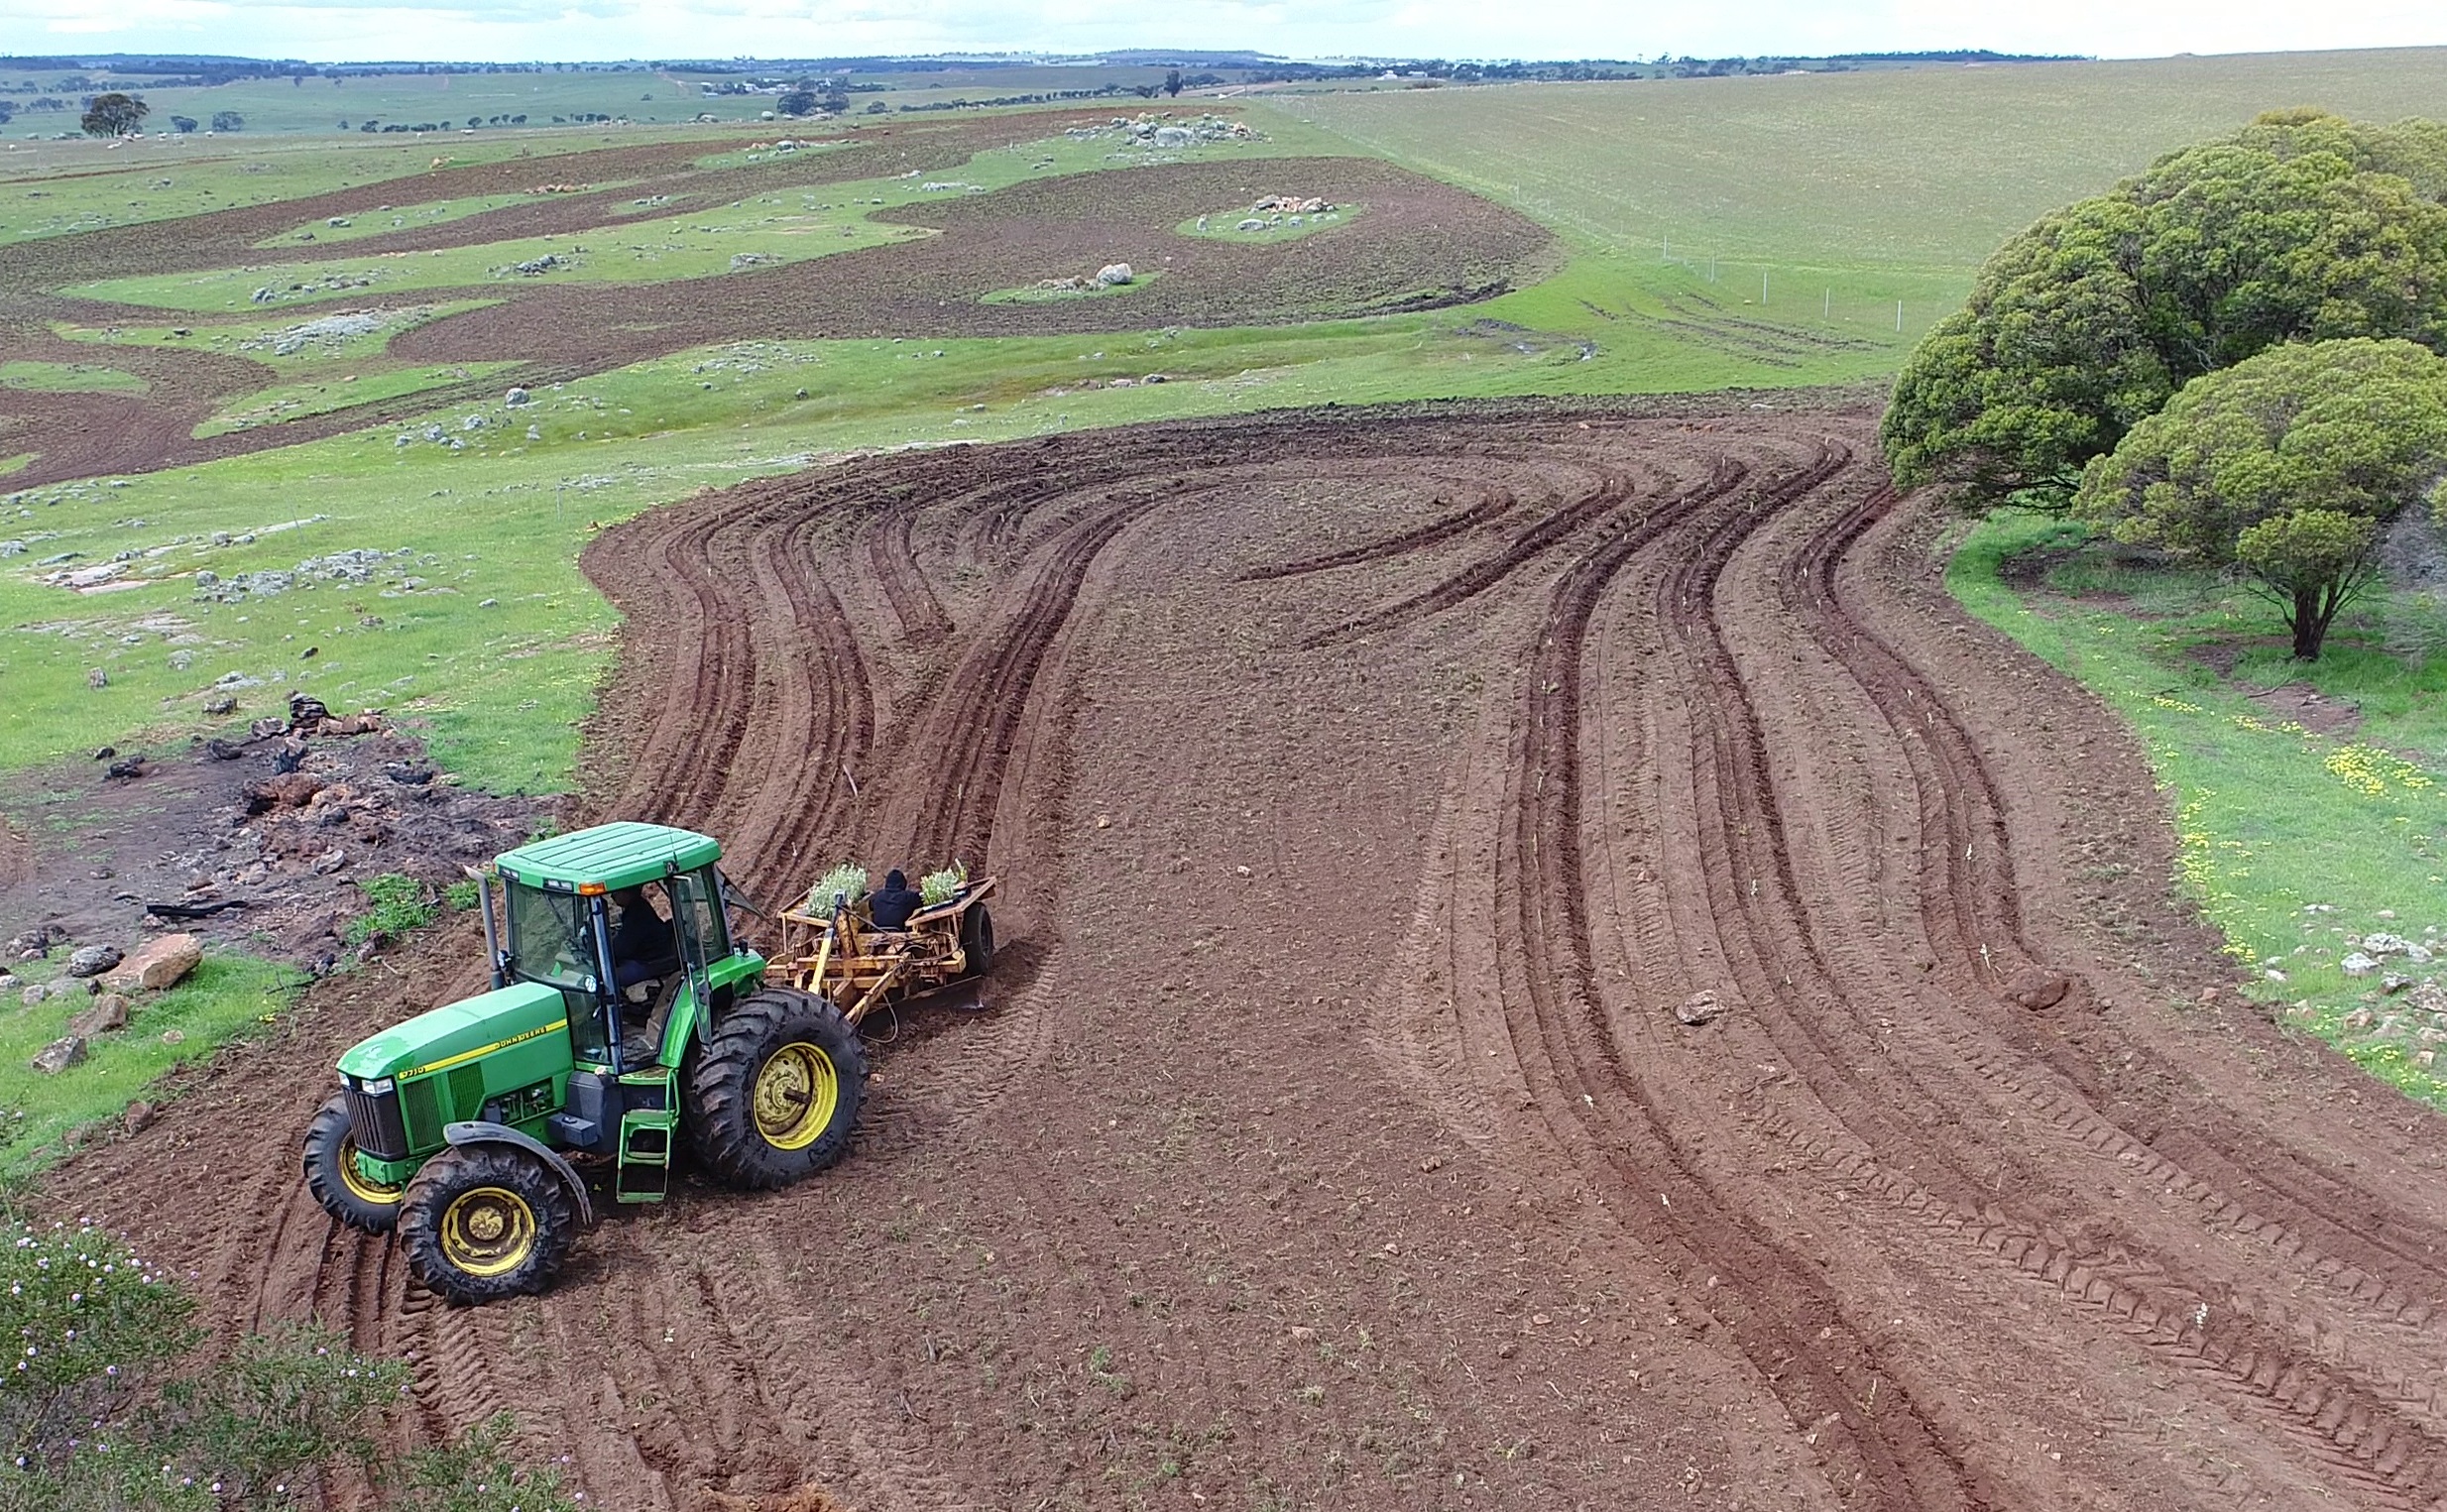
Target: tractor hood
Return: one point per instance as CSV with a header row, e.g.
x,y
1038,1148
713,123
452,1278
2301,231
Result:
x,y
461,1031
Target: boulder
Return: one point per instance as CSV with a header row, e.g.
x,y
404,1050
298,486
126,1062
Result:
x,y
2358,965
140,1116
156,964
34,994
109,1011
93,959
59,1055
1114,275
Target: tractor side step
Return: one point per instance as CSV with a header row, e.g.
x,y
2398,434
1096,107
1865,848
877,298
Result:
x,y
645,1155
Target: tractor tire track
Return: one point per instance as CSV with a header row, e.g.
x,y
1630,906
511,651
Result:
x,y
1669,701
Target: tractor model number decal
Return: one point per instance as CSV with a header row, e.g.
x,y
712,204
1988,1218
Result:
x,y
464,1056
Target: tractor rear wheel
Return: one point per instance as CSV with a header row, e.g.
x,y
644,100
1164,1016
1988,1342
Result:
x,y
483,1222
331,1173
976,940
773,1098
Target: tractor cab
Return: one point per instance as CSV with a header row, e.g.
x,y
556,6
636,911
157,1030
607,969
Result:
x,y
620,1011
620,920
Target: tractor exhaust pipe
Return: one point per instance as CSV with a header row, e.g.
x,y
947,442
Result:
x,y
491,940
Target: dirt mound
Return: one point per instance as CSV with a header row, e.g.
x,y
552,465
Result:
x,y
1370,790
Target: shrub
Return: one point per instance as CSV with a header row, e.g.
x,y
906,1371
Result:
x,y
941,887
107,1409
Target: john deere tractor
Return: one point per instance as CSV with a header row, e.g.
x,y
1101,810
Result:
x,y
622,1015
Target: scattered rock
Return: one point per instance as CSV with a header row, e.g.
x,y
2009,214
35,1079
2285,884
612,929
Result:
x,y
2358,965
1113,275
34,994
97,679
141,1115
158,964
109,1011
2037,987
220,704
173,1037
1698,1008
59,1055
515,398
93,959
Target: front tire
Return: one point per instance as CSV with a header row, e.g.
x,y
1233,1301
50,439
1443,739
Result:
x,y
331,1173
775,1096
483,1222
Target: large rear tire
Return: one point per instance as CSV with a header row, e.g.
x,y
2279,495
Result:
x,y
775,1096
331,1173
483,1222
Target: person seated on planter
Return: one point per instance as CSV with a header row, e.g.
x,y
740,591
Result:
x,y
891,905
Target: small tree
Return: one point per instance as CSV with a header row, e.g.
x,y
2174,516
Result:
x,y
2312,562
183,124
2285,465
113,115
1172,81
228,120
799,102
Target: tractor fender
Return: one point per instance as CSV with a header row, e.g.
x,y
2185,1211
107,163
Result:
x,y
475,1132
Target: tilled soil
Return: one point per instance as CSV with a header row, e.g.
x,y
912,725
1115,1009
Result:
x,y
1369,791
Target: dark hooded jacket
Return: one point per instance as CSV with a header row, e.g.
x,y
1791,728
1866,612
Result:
x,y
891,904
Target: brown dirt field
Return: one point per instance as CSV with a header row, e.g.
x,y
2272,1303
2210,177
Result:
x,y
1421,245
1368,790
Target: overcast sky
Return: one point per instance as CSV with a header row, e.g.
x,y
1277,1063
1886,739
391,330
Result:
x,y
518,30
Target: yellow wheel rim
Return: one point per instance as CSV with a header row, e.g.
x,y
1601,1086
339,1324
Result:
x,y
797,1092
365,1189
488,1231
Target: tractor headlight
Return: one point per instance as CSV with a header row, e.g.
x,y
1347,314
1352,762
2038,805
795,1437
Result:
x,y
376,1087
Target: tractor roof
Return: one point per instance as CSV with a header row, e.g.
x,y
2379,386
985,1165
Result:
x,y
610,855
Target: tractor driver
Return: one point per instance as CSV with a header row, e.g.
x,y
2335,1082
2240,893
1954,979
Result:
x,y
891,905
643,944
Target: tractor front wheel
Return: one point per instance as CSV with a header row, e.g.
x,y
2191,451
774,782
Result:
x,y
331,1173
483,1222
773,1098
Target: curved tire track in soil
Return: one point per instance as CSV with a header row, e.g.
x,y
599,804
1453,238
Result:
x,y
1556,717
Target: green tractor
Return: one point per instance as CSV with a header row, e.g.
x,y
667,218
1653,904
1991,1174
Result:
x,y
620,1013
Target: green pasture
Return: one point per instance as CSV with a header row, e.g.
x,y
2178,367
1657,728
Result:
x,y
387,219
226,997
2289,842
68,378
288,402
283,340
1821,178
